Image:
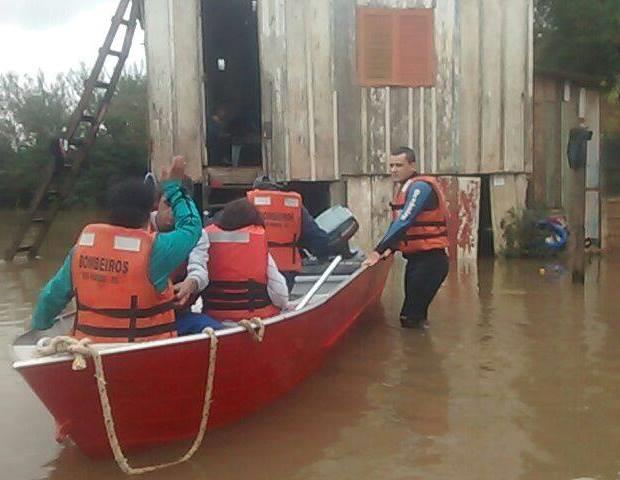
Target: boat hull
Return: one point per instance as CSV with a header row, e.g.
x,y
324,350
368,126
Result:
x,y
157,393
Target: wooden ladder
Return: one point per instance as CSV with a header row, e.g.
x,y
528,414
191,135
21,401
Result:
x,y
59,179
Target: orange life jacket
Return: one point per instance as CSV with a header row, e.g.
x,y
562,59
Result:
x,y
116,301
429,230
282,214
237,274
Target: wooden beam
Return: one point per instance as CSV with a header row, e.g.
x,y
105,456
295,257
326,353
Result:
x,y
237,175
577,214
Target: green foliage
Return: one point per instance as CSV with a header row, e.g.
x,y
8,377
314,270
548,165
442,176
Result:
x,y
523,238
32,113
579,36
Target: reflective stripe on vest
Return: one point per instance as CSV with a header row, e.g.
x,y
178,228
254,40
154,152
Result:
x,y
237,274
115,299
429,230
223,236
282,214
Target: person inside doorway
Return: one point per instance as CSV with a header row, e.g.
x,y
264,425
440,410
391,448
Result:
x,y
219,143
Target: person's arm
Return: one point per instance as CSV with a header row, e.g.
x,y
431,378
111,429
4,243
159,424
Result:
x,y
54,297
417,197
170,249
276,284
313,237
197,263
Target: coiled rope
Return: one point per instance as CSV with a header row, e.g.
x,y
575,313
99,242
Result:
x,y
80,349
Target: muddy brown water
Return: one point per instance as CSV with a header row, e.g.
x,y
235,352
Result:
x,y
518,378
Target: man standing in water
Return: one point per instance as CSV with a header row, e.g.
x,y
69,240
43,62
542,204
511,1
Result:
x,y
419,230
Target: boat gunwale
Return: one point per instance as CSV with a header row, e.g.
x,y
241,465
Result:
x,y
124,348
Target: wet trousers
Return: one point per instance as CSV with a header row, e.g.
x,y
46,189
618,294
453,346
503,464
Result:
x,y
424,274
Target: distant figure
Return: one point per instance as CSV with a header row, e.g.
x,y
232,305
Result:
x,y
119,271
289,227
419,230
218,137
244,281
57,150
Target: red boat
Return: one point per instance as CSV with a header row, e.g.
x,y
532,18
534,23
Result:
x,y
157,389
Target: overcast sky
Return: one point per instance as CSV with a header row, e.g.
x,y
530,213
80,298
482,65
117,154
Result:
x,y
56,35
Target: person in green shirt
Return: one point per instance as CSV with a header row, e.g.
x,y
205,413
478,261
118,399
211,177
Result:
x,y
169,249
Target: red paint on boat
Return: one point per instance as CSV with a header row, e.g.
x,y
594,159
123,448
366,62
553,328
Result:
x,y
157,393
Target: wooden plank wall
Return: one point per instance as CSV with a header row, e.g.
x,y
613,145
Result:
x,y
368,198
557,107
468,217
593,192
495,86
569,110
477,118
273,49
546,188
321,123
297,77
174,80
463,201
389,117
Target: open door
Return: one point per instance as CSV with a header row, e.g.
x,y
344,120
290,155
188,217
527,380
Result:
x,y
232,90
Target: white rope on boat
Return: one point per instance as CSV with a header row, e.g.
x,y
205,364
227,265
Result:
x,y
64,344
255,327
81,348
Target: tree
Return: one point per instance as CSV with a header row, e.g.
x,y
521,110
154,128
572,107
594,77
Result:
x,y
121,149
579,37
32,114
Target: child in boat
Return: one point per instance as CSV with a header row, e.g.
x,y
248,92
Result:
x,y
244,281
192,276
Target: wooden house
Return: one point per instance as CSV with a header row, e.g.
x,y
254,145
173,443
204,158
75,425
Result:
x,y
324,89
560,101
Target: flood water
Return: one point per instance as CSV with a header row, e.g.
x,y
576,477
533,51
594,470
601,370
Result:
x,y
518,378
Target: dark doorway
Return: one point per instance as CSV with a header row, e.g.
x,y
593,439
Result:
x,y
232,82
485,231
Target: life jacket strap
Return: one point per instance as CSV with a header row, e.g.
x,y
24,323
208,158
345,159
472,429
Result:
x,y
131,333
230,295
429,224
128,312
424,236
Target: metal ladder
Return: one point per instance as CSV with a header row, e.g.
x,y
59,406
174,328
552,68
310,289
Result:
x,y
72,149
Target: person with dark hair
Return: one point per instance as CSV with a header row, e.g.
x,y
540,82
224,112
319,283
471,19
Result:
x,y
119,271
289,227
129,203
244,281
419,229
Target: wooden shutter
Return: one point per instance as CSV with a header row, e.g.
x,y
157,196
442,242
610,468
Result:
x,y
414,52
395,47
375,44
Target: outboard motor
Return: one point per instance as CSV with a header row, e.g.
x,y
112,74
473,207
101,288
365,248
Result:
x,y
340,225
